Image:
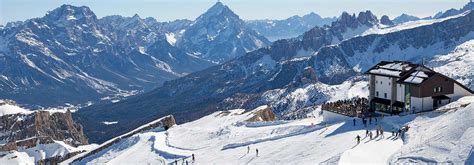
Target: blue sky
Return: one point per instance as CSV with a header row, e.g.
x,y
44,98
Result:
x,y
165,10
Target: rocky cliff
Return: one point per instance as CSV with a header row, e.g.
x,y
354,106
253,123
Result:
x,y
41,127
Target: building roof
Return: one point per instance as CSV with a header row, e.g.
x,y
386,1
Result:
x,y
417,75
408,73
391,69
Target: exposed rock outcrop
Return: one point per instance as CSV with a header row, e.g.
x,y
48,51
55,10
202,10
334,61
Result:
x,y
264,114
386,20
41,127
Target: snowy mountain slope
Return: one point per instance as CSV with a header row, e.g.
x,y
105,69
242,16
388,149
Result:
x,y
219,35
8,107
41,152
445,138
240,83
289,103
288,28
457,64
223,137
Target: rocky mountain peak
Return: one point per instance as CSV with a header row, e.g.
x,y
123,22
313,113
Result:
x,y
469,6
71,13
367,18
346,18
218,9
386,20
218,35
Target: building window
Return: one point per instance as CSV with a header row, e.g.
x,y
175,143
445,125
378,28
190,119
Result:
x,y
385,95
438,89
377,94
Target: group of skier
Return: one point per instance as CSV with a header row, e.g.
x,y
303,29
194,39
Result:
x,y
256,151
185,161
379,132
400,132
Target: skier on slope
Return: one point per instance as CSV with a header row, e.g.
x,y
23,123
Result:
x,y
193,157
370,134
358,139
248,149
256,151
381,132
366,133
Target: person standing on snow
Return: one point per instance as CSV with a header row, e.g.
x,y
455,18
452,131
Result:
x,y
366,132
248,149
256,151
358,139
370,134
381,132
193,157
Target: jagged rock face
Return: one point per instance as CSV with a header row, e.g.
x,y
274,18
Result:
x,y
309,76
27,130
219,35
386,20
451,12
71,56
290,27
347,26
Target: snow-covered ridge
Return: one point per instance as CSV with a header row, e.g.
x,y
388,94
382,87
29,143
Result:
x,y
41,152
8,107
408,25
156,125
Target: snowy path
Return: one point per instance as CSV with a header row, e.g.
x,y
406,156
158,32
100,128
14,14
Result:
x,y
382,147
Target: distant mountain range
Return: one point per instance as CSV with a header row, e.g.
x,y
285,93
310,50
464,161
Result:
x,y
329,55
290,27
442,14
71,56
